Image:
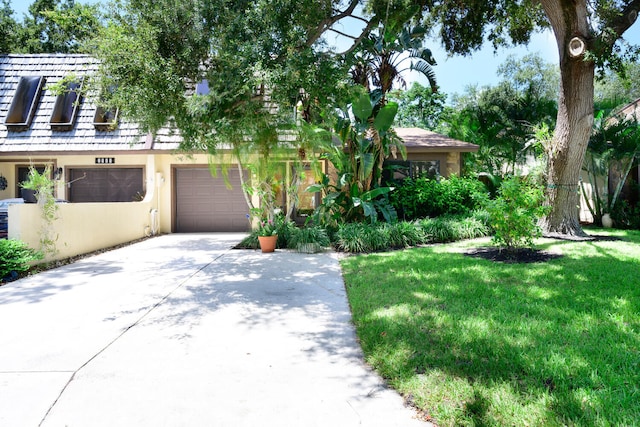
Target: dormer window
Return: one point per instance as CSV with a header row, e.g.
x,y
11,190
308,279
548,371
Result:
x,y
65,110
24,103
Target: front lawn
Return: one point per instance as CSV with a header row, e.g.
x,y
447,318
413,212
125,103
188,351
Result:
x,y
475,342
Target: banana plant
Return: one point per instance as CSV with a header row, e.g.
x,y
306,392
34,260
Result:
x,y
356,194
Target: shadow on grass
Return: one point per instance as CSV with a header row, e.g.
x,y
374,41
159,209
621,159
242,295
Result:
x,y
486,343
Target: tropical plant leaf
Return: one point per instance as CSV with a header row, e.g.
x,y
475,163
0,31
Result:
x,y
362,107
385,117
314,188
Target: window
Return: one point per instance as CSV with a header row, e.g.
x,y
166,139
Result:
x,y
398,170
65,110
24,103
307,202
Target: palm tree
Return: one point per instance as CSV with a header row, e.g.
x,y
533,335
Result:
x,y
383,57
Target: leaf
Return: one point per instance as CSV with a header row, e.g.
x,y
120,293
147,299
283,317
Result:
x,y
372,194
385,117
362,107
368,163
314,188
369,210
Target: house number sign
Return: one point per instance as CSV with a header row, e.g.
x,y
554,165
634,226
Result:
x,y
105,160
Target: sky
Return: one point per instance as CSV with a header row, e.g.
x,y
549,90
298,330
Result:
x,y
453,74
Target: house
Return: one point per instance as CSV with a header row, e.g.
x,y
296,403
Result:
x,y
122,185
429,151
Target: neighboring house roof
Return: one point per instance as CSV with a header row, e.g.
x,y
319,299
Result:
x,y
420,140
83,135
633,108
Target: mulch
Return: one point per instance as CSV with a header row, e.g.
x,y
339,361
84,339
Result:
x,y
514,256
530,255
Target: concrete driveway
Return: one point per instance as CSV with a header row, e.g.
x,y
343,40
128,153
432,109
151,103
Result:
x,y
182,330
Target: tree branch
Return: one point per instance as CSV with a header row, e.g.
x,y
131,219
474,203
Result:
x,y
326,24
365,32
621,23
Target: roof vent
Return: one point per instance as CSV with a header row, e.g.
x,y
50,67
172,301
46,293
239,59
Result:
x,y
65,110
24,104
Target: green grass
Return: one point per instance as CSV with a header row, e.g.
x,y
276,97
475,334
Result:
x,y
477,343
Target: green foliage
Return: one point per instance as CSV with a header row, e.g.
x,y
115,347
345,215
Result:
x,y
617,89
356,195
58,26
502,119
43,186
613,149
361,238
310,236
424,197
380,59
8,28
451,228
16,256
625,215
285,229
418,107
514,213
365,238
267,227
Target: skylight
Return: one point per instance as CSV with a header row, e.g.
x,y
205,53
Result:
x,y
66,107
24,103
105,120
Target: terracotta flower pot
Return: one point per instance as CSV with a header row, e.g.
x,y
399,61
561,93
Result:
x,y
268,243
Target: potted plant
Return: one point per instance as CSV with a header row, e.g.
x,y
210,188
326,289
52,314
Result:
x,y
38,186
310,239
267,235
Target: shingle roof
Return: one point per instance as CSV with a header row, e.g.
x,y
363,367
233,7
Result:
x,y
419,140
83,136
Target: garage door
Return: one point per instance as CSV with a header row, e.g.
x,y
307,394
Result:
x,y
204,203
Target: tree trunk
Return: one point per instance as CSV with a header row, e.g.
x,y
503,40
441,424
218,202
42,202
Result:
x,y
566,152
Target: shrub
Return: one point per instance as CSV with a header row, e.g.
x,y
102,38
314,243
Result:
x,y
314,236
424,197
16,256
360,237
625,215
405,234
451,228
285,229
513,215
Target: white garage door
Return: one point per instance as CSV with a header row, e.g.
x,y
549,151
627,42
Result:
x,y
204,203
